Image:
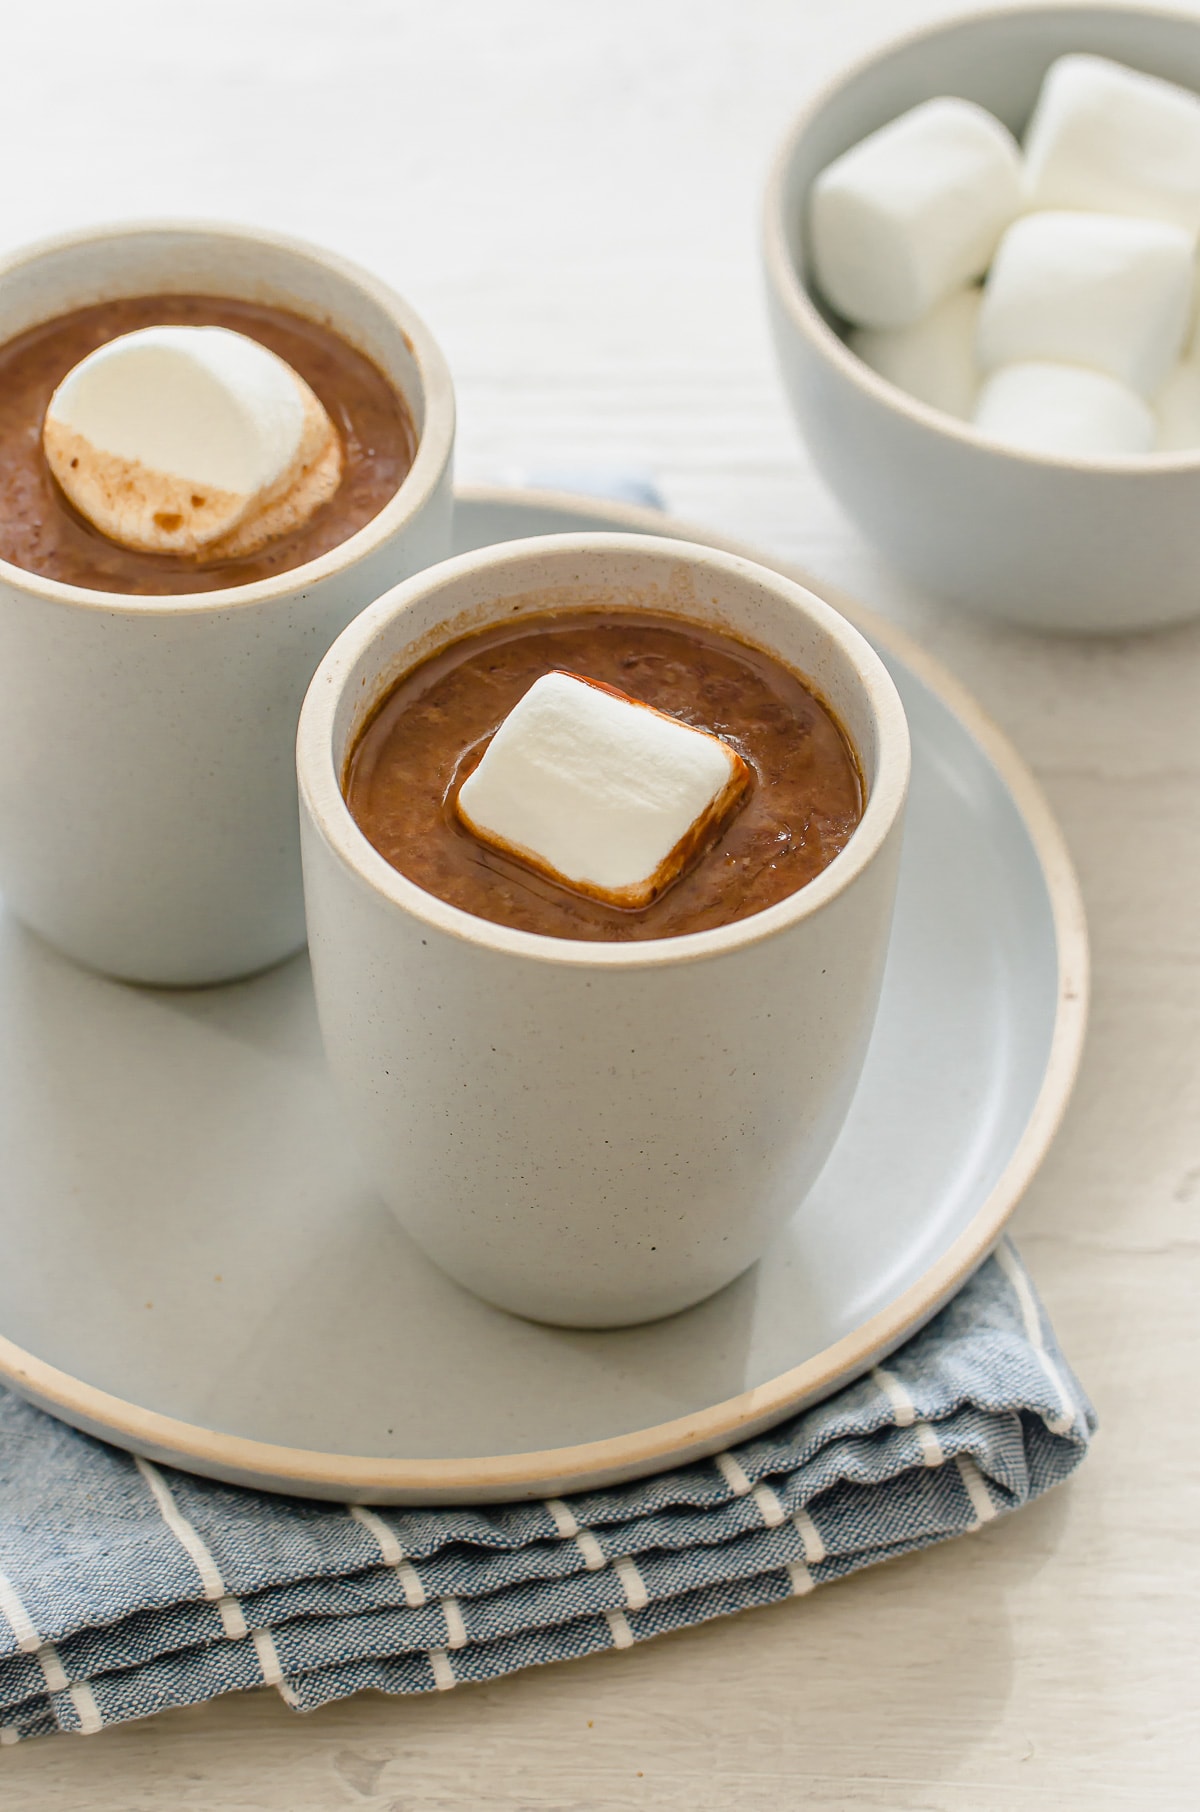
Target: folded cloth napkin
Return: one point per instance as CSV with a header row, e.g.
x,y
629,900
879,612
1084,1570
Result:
x,y
128,1587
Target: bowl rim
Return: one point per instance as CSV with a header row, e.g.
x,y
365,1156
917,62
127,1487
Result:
x,y
323,805
435,442
795,298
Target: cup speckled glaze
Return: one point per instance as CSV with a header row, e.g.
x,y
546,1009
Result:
x,y
148,822
584,1133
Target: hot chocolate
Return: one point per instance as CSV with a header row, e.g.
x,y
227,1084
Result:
x,y
430,732
42,532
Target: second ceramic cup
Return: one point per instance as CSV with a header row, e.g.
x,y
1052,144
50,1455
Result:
x,y
147,780
585,1133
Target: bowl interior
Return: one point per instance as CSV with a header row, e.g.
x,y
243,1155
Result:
x,y
997,60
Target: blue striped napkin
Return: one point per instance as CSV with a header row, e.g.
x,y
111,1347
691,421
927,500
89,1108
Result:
x,y
128,1587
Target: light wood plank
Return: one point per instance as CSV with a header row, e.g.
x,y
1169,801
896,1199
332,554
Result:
x,y
570,195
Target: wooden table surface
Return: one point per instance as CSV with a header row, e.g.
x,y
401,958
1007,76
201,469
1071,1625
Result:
x,y
569,194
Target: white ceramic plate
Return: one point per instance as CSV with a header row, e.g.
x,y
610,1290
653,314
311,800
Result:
x,y
193,1267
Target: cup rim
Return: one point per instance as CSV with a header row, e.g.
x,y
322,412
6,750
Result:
x,y
435,444
322,800
796,298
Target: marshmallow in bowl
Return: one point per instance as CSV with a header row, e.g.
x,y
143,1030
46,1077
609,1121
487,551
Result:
x,y
1110,139
1103,290
1177,410
601,793
1064,411
190,440
913,212
934,359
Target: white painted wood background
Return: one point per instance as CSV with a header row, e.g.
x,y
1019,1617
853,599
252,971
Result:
x,y
569,194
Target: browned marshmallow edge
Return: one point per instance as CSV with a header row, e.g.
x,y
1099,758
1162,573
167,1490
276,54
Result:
x,y
695,841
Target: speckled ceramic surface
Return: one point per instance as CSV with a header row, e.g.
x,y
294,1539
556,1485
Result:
x,y
147,777
195,1267
595,1134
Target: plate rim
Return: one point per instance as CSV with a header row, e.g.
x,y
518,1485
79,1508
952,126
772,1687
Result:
x,y
591,1465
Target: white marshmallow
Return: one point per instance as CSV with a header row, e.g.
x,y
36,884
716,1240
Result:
x,y
1177,411
934,359
1108,138
190,439
1065,411
1191,346
913,212
598,791
1089,289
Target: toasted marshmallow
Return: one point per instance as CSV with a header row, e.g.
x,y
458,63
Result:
x,y
190,440
601,793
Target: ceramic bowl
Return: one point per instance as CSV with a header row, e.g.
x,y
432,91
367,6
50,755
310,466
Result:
x,y
1054,543
585,1133
148,822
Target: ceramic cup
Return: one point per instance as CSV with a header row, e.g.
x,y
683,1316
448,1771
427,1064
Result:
x,y
584,1133
1072,544
148,822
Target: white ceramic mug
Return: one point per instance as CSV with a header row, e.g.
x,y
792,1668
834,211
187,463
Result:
x,y
585,1133
148,821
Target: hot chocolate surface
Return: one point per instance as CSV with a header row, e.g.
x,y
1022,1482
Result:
x,y
803,806
40,531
